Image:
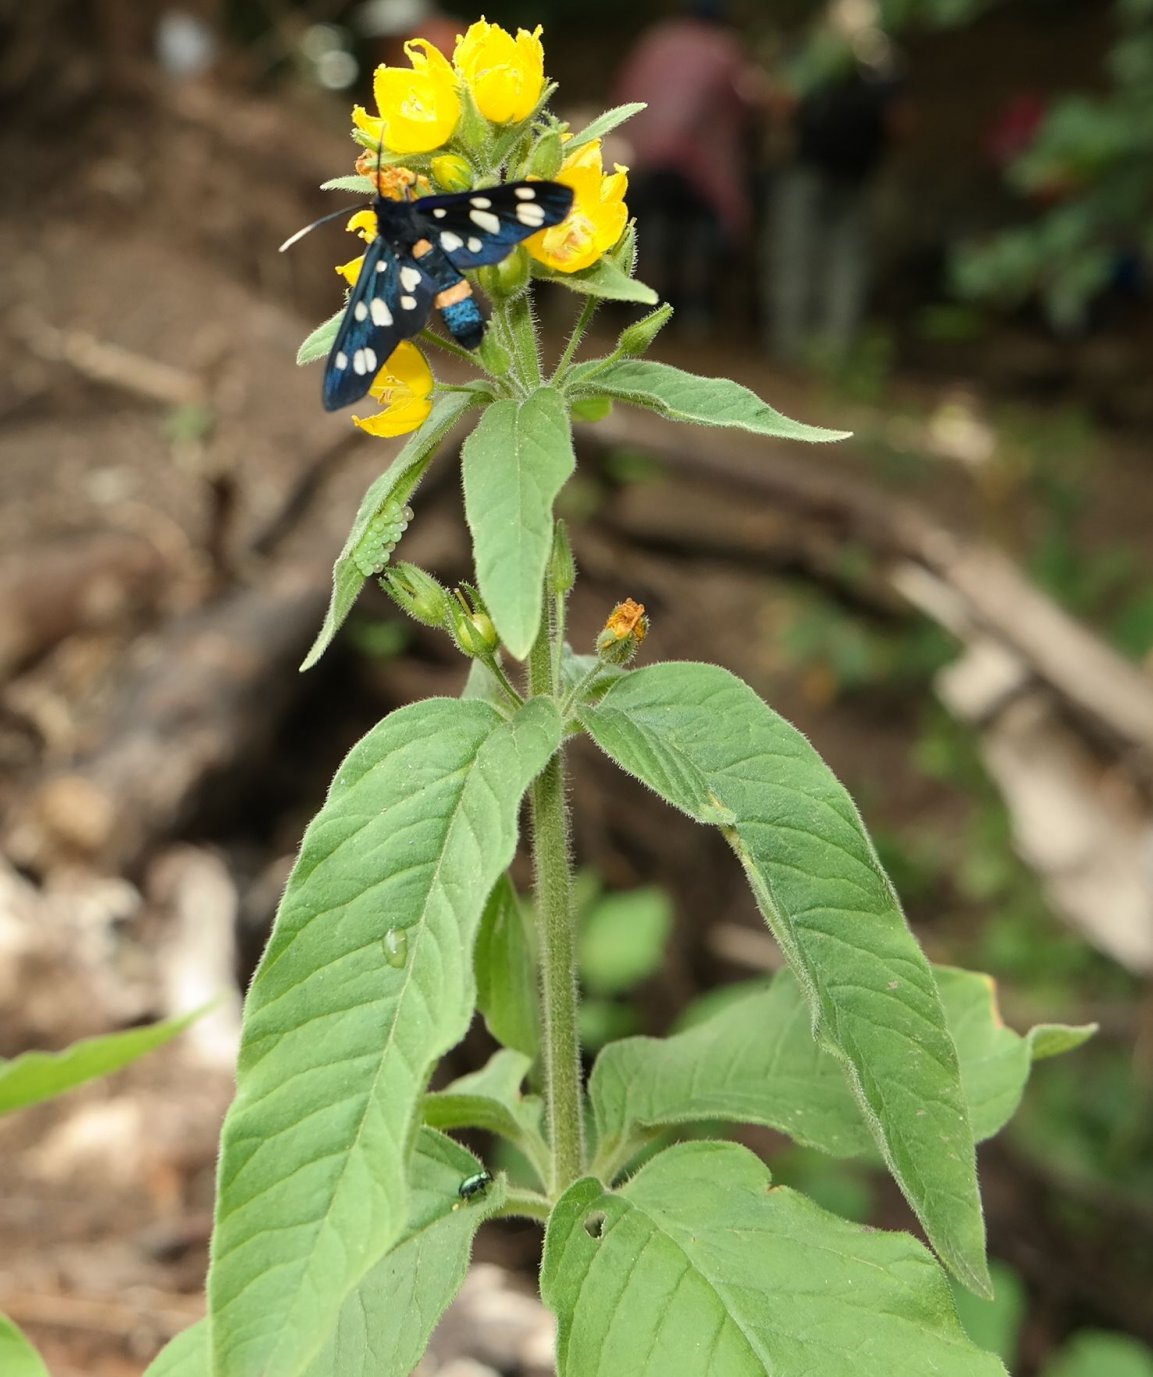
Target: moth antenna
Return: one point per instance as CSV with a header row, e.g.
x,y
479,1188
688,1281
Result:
x,y
300,233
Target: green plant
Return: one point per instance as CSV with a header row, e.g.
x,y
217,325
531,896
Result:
x,y
345,1211
35,1077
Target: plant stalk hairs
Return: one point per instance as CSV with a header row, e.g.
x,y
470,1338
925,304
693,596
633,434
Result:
x,y
346,1209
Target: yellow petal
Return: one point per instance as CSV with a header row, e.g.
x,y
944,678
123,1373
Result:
x,y
405,370
397,420
350,271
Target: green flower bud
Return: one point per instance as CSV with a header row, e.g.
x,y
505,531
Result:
x,y
509,277
418,594
451,172
473,132
546,156
624,252
636,338
623,633
472,627
561,565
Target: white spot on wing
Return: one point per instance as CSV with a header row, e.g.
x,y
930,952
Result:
x,y
450,242
341,361
381,315
525,193
481,202
370,360
530,213
380,267
410,278
358,364
440,212
485,220
408,302
475,245
360,310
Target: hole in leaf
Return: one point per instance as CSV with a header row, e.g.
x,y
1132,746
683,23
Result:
x,y
595,1224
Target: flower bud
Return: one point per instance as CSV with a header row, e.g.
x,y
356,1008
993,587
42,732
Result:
x,y
509,277
473,133
472,628
561,565
636,338
451,172
417,593
623,633
624,252
546,157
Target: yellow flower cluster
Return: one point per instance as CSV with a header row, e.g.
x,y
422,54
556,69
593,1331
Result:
x,y
420,106
420,109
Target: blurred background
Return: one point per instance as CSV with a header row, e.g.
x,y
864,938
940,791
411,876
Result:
x,y
927,221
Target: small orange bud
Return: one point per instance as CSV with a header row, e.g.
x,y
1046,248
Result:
x,y
623,633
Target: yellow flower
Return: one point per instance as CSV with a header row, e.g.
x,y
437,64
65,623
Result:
x,y
364,224
598,216
505,74
419,109
402,387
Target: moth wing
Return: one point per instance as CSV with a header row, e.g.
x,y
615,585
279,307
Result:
x,y
390,301
475,228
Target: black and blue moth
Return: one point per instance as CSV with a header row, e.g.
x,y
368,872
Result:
x,y
418,260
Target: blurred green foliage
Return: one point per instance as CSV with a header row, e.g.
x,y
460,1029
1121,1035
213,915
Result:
x,y
1088,178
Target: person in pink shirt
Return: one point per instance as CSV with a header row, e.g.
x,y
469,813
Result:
x,y
689,152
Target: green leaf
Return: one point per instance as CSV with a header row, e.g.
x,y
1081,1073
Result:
x,y
385,1325
17,1356
491,1099
515,462
603,124
187,1355
395,485
995,1325
1053,1039
1097,1353
604,280
622,940
755,1061
506,981
37,1076
698,1267
359,186
367,980
682,396
318,345
695,731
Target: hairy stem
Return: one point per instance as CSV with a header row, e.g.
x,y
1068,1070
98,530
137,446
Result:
x,y
588,310
550,827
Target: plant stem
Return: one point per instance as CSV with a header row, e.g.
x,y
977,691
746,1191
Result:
x,y
522,1204
562,1070
449,346
588,310
520,328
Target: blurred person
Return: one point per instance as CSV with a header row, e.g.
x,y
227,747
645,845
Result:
x,y
844,109
688,152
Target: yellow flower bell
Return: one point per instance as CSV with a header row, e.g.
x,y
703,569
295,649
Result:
x,y
364,224
598,216
402,387
419,109
504,74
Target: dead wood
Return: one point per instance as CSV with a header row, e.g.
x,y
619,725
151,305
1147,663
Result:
x,y
204,701
93,582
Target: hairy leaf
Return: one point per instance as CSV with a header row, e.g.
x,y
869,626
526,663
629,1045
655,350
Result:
x,y
396,484
698,1267
684,396
756,1062
515,462
366,982
684,728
